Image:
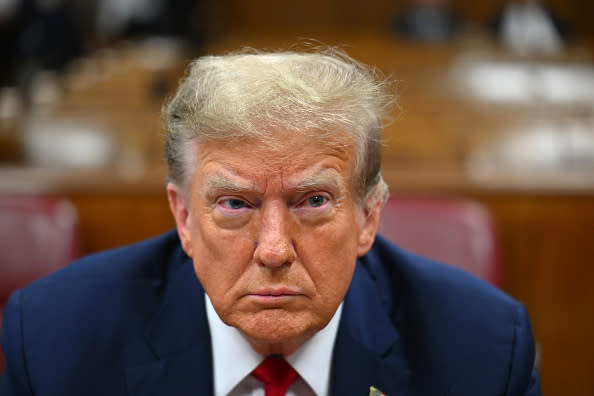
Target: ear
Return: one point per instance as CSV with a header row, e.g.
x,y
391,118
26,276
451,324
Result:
x,y
179,205
370,223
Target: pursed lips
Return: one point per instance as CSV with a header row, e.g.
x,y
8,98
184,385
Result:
x,y
276,292
274,296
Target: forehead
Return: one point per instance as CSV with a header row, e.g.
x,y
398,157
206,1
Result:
x,y
291,159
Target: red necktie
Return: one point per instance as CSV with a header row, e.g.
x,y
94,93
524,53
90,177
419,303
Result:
x,y
276,374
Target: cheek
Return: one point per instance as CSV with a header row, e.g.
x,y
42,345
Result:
x,y
329,254
220,256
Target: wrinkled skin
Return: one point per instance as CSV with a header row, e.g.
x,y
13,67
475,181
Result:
x,y
274,232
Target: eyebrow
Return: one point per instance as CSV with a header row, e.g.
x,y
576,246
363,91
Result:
x,y
325,178
220,182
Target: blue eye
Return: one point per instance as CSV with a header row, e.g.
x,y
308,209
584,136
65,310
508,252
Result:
x,y
234,204
316,201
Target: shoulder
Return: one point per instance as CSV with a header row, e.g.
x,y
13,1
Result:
x,y
460,331
86,309
407,278
99,290
142,261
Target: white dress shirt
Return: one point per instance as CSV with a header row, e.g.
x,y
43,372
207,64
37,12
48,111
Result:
x,y
232,377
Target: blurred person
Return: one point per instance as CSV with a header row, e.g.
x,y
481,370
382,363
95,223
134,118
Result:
x,y
428,20
118,19
39,35
50,35
530,26
274,281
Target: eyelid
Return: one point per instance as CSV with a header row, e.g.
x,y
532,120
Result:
x,y
220,202
309,195
227,201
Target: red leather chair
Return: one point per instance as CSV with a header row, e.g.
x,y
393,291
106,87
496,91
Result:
x,y
455,232
38,235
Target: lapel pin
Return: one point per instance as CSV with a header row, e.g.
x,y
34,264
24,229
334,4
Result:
x,y
375,392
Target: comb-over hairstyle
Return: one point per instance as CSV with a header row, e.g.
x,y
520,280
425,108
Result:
x,y
250,94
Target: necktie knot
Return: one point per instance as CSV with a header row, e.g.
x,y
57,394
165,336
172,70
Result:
x,y
276,374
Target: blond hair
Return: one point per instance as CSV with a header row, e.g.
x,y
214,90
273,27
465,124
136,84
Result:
x,y
250,93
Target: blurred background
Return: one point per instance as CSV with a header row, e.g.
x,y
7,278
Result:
x,y
496,108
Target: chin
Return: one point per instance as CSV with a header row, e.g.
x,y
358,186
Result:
x,y
283,332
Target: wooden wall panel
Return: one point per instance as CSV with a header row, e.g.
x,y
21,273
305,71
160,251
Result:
x,y
110,219
548,258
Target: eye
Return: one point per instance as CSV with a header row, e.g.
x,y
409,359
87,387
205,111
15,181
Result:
x,y
233,204
316,201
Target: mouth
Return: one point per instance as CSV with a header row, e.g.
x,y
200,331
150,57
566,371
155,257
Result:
x,y
278,292
274,296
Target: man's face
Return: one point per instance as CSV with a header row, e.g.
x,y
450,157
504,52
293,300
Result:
x,y
274,234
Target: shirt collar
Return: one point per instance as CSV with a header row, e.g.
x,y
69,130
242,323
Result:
x,y
311,359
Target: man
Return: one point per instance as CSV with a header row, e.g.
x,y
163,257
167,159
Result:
x,y
276,189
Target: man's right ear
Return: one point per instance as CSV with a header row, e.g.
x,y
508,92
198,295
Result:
x,y
179,205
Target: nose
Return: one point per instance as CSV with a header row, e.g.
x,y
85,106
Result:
x,y
274,245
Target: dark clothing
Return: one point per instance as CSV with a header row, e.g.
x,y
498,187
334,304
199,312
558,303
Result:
x,y
132,321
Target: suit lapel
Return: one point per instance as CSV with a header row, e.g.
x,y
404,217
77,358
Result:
x,y
179,338
368,349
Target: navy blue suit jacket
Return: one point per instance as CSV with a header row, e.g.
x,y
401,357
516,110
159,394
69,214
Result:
x,y
132,321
